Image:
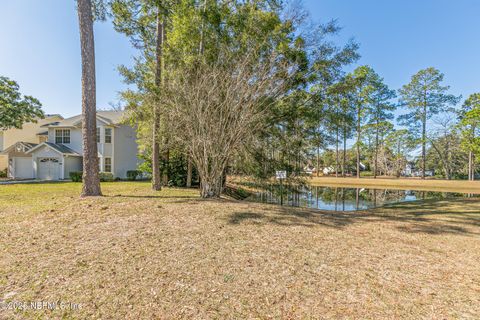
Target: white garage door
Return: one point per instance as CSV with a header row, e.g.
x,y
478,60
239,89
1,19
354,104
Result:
x,y
48,169
23,168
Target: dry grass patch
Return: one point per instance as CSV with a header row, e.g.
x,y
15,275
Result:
x,y
137,254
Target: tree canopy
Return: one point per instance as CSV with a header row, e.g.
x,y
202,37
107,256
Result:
x,y
15,108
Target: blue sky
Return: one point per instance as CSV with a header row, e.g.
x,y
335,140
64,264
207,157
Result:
x,y
39,46
40,49
400,37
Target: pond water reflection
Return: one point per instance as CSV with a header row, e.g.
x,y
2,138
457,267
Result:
x,y
343,199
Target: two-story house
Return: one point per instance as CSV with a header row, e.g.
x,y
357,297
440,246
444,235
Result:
x,y
61,152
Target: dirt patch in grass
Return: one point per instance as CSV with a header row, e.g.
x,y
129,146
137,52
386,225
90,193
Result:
x,y
137,254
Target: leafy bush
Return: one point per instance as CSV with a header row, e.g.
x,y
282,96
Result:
x,y
3,173
366,174
132,175
460,176
106,176
176,168
76,176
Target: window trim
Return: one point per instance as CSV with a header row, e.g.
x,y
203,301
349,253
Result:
x,y
109,136
105,164
99,134
62,136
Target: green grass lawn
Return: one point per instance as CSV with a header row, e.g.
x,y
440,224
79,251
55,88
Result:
x,y
139,254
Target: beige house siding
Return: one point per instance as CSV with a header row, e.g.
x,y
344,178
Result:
x,y
28,133
3,162
3,159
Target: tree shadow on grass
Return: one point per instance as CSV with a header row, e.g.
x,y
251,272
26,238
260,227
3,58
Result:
x,y
429,217
285,216
193,199
150,196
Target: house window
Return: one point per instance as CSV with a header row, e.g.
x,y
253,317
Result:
x,y
62,136
108,164
108,135
98,135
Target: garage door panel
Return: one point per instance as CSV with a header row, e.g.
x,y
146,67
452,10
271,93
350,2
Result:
x,y
23,168
49,168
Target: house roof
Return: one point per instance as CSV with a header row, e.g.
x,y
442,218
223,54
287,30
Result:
x,y
57,147
53,115
50,124
111,117
43,133
26,146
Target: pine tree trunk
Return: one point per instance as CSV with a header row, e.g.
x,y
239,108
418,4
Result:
x,y
344,151
448,156
424,141
189,173
473,155
166,154
201,48
358,144
336,156
165,160
91,181
376,153
470,166
156,175
471,158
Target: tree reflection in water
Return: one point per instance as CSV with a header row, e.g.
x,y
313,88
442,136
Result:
x,y
343,199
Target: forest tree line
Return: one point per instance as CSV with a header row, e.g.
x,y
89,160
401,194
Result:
x,y
254,86
251,87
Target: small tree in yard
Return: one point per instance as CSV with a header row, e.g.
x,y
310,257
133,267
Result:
x,y
15,109
216,109
232,63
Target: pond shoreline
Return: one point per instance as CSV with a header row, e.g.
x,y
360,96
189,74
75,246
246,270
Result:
x,y
457,186
342,198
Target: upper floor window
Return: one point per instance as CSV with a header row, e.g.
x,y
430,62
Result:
x,y
108,135
98,135
62,136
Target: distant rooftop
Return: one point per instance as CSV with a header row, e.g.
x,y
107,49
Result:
x,y
111,117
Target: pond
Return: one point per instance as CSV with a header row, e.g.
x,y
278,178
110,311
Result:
x,y
343,199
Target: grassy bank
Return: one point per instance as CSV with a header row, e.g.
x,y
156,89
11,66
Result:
x,y
460,186
137,254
